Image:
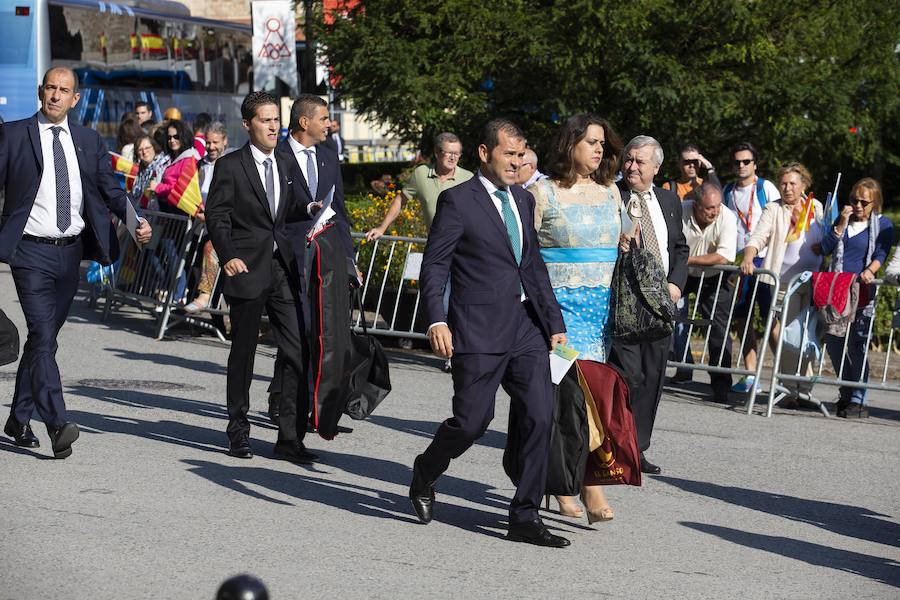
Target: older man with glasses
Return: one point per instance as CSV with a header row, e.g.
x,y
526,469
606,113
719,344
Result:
x,y
428,181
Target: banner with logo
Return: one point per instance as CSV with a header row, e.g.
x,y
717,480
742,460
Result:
x,y
274,54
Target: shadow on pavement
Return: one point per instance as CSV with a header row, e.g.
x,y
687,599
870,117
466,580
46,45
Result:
x,y
843,519
426,429
204,366
356,499
875,568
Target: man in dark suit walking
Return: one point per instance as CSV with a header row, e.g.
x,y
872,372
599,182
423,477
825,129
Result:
x,y
501,321
60,189
315,168
249,201
658,214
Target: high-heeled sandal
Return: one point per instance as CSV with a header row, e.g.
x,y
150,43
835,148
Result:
x,y
604,513
566,509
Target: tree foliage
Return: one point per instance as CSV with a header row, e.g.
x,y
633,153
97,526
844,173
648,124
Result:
x,y
791,76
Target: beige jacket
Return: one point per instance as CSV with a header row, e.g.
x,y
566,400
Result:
x,y
771,232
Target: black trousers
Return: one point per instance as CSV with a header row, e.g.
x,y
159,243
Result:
x,y
712,295
280,302
46,279
644,366
524,372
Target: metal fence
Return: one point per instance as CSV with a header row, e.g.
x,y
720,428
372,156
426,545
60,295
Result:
x,y
151,278
799,367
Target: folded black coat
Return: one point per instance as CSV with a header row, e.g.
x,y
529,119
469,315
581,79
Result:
x,y
330,343
9,340
568,440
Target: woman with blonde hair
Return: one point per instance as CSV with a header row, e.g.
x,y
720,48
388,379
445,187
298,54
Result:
x,y
859,243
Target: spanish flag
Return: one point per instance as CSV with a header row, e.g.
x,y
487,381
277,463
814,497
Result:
x,y
125,169
800,221
186,193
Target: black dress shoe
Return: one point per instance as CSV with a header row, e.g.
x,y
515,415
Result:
x,y
22,434
240,448
274,401
421,494
62,438
295,452
853,410
535,532
648,467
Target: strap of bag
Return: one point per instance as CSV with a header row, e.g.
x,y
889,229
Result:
x,y
362,313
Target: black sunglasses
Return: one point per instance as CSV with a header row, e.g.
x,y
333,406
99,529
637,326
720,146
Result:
x,y
691,162
742,161
173,137
860,201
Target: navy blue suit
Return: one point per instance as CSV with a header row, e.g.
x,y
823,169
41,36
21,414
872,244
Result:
x,y
46,276
497,338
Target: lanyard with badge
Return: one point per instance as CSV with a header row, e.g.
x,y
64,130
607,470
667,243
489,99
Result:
x,y
748,219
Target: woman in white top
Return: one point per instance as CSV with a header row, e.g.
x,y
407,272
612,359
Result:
x,y
787,253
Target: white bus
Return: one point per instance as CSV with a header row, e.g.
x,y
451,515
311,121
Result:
x,y
125,52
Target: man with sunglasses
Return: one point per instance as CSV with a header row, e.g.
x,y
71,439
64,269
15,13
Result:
x,y
747,196
690,162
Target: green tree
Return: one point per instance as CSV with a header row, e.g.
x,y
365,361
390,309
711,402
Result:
x,y
792,76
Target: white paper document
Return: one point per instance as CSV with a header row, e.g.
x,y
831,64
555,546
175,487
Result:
x,y
132,221
561,360
325,213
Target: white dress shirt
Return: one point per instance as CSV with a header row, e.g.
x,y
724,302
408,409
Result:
x,y
206,175
491,189
659,227
302,160
258,158
719,237
42,220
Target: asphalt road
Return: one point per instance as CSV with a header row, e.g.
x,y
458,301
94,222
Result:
x,y
150,506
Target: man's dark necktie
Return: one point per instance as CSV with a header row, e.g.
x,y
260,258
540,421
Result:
x,y
63,193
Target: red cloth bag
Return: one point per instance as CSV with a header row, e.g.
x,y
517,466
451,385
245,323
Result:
x,y
617,460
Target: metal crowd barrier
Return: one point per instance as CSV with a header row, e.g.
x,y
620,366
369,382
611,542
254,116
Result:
x,y
391,266
148,278
725,285
800,378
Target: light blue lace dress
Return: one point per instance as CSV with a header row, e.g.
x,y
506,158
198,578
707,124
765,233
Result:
x,y
578,229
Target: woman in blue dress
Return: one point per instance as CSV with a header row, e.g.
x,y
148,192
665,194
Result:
x,y
577,217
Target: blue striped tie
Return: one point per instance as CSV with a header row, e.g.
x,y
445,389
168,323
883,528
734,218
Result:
x,y
63,193
512,227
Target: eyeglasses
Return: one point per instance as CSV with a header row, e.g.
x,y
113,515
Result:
x,y
691,162
173,137
742,162
860,201
450,154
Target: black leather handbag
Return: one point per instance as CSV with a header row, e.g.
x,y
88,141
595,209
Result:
x,y
9,340
370,377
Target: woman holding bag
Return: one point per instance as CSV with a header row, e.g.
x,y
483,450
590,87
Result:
x,y
859,243
577,217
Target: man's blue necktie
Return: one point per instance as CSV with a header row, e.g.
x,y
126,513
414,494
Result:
x,y
512,227
63,193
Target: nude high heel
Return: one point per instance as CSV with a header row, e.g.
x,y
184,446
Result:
x,y
567,509
599,514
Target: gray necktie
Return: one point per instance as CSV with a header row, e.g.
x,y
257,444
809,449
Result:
x,y
312,179
270,187
63,193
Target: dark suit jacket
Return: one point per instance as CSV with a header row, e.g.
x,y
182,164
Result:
x,y
329,175
21,165
468,242
678,248
241,225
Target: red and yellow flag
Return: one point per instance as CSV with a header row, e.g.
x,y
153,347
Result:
x,y
186,193
124,168
806,215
